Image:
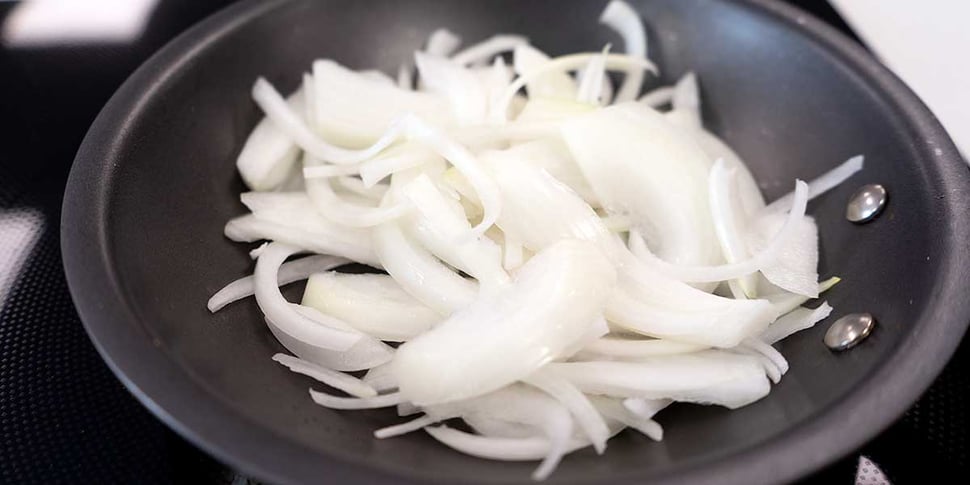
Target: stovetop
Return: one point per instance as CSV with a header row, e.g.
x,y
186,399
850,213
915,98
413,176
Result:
x,y
64,417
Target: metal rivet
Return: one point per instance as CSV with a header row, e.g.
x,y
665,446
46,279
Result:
x,y
849,330
866,203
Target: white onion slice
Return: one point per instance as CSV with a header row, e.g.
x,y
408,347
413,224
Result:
x,y
709,377
404,428
318,238
276,308
613,409
382,379
336,402
582,410
552,84
570,62
591,79
328,203
633,349
420,273
658,97
296,270
794,266
290,123
485,50
337,380
461,87
506,335
764,258
371,303
442,43
269,154
795,321
824,182
622,18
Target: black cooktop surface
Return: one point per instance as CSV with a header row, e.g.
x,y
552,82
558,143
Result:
x,y
64,417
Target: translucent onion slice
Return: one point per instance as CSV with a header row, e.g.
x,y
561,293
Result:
x,y
290,123
251,228
355,112
381,378
686,102
442,43
785,302
658,97
707,377
621,348
337,380
296,270
591,79
614,409
586,415
404,428
824,182
450,80
337,402
269,154
419,272
553,84
355,185
439,225
275,307
333,207
570,62
623,19
508,334
624,151
795,321
730,222
366,353
371,303
766,257
794,267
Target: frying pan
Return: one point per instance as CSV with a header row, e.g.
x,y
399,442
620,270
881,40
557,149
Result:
x,y
154,182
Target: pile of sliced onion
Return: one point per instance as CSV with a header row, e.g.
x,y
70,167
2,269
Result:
x,y
556,259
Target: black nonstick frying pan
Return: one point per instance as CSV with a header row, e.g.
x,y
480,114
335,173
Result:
x,y
154,182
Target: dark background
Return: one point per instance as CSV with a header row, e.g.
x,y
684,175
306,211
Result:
x,y
65,418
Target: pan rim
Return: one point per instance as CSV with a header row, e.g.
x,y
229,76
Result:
x,y
188,408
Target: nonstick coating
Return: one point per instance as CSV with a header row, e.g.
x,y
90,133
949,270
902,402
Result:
x,y
154,183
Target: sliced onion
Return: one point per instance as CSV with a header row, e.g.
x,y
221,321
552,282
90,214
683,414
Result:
x,y
269,154
632,349
825,182
552,84
658,97
622,18
405,428
591,79
336,402
276,308
499,112
795,321
337,210
296,270
485,50
582,410
442,43
332,378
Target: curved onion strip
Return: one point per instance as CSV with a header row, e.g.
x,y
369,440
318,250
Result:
x,y
489,195
769,352
366,353
404,428
488,48
706,274
570,62
420,273
591,78
377,169
797,320
442,43
786,302
381,378
626,348
621,17
295,270
251,228
349,214
582,410
551,85
613,409
825,182
290,123
507,449
686,101
336,402
728,219
658,97
275,307
337,380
